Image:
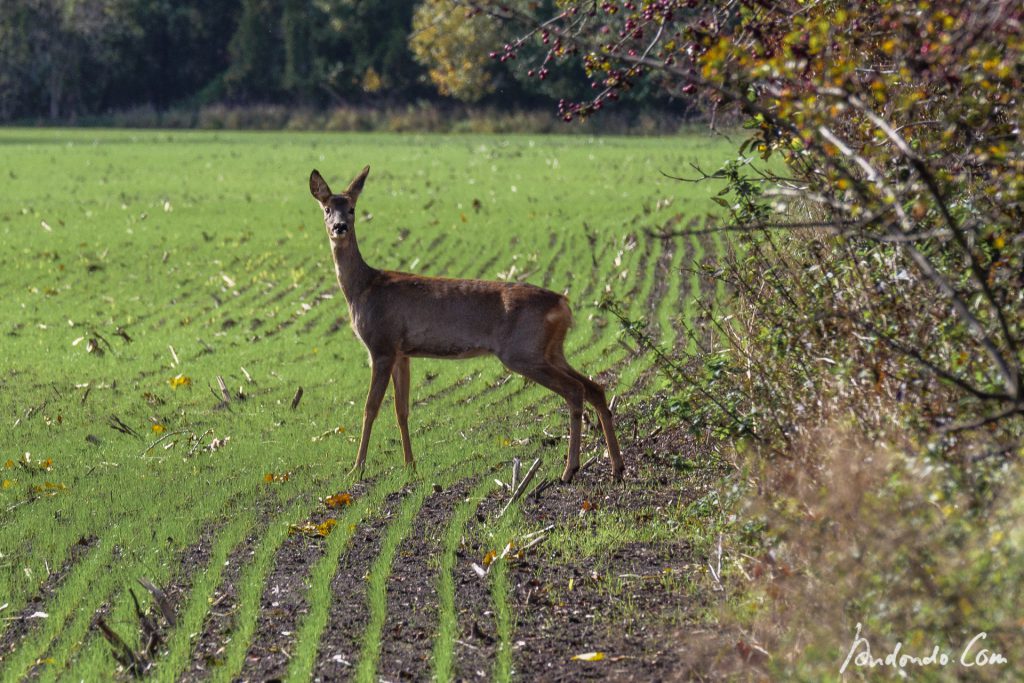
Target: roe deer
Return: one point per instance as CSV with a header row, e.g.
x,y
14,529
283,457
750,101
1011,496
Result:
x,y
399,315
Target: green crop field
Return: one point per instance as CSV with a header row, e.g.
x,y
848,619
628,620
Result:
x,y
140,267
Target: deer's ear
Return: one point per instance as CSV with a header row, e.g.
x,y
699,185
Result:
x,y
318,187
356,186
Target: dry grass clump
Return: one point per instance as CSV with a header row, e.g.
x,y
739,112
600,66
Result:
x,y
860,533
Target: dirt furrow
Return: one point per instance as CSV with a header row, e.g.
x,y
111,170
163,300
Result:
x,y
23,623
553,247
342,638
219,624
411,622
283,604
477,642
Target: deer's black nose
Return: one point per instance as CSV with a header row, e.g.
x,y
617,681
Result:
x,y
339,228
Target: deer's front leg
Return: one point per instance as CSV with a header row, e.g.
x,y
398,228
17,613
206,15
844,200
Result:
x,y
400,377
378,385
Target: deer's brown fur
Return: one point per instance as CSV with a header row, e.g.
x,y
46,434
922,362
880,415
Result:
x,y
400,315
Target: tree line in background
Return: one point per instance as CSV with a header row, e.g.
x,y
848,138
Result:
x,y
62,59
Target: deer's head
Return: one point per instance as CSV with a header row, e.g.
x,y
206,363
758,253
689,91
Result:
x,y
339,209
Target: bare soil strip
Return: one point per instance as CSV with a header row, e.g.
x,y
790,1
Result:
x,y
618,607
189,560
22,624
283,604
662,278
219,624
411,622
340,642
477,641
194,558
622,604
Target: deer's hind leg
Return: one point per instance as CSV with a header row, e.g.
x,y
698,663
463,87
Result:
x,y
380,374
595,396
400,379
566,386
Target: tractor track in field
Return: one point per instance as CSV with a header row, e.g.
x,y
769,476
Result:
x,y
219,622
411,622
708,285
477,641
481,272
554,242
188,562
448,389
340,643
23,624
283,603
191,560
660,286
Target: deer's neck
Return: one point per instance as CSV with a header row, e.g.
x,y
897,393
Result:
x,y
354,275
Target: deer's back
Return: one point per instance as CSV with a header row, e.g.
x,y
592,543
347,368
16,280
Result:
x,y
452,318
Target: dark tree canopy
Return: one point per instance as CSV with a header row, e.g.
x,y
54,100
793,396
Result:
x,y
61,59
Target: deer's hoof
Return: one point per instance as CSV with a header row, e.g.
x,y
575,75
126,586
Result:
x,y
568,474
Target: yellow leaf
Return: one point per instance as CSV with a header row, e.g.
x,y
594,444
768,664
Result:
x,y
158,429
180,381
7,484
9,464
338,500
489,557
589,657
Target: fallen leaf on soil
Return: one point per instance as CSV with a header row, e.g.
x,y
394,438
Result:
x,y
589,657
310,529
338,500
270,477
489,557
